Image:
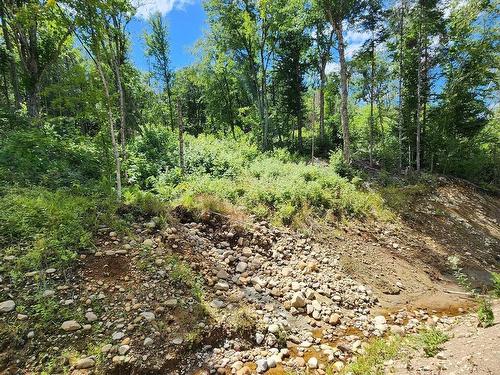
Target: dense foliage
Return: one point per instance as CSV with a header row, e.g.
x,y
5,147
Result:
x,y
274,116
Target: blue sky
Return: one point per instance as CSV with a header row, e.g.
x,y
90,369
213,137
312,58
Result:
x,y
186,20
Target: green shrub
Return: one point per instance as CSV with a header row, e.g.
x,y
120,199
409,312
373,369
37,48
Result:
x,y
269,188
151,153
431,341
495,279
372,361
485,313
40,157
43,228
144,202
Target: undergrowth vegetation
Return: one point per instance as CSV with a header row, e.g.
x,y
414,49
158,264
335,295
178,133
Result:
x,y
270,185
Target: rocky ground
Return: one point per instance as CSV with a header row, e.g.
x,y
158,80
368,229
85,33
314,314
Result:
x,y
221,295
470,350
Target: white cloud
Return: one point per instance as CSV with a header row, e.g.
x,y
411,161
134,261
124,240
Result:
x,y
332,67
354,40
146,7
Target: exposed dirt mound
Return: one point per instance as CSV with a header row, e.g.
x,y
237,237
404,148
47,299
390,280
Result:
x,y
407,262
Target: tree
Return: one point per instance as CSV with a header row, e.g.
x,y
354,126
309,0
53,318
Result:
x,y
9,56
39,33
249,30
98,36
337,12
290,69
158,48
323,40
372,21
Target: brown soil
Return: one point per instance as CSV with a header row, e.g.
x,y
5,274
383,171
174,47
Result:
x,y
406,262
471,350
110,267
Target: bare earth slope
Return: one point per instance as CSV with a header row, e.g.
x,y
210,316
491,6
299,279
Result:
x,y
225,295
471,350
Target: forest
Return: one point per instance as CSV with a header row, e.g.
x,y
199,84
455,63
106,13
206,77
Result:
x,y
279,122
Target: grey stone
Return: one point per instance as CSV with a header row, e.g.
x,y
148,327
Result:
x,y
312,363
85,363
70,326
90,316
261,366
7,306
117,335
149,316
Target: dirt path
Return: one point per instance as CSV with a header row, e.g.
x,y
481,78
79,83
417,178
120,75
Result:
x,y
471,350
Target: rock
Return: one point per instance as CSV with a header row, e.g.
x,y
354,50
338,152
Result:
x,y
261,366
295,286
70,326
149,316
106,348
245,370
222,274
271,362
300,362
148,242
273,328
338,365
150,225
334,319
7,306
222,285
241,267
30,334
397,330
298,300
148,341
123,349
312,363
246,252
217,303
442,355
259,338
85,363
379,319
171,302
22,317
116,336
90,316
310,294
177,341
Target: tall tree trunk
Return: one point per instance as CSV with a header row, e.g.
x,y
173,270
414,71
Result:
x,y
33,97
299,133
6,89
123,122
170,105
372,94
322,78
181,137
400,87
425,88
344,115
263,90
33,70
12,64
116,153
419,92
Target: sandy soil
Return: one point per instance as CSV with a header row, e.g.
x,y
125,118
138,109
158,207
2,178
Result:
x,y
471,350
